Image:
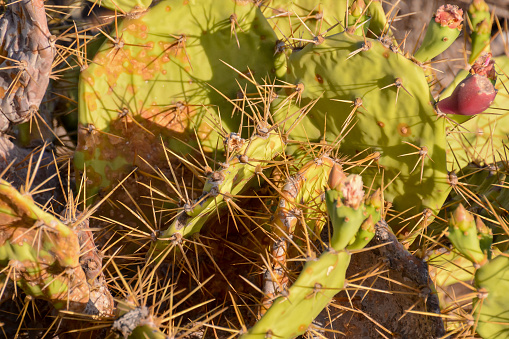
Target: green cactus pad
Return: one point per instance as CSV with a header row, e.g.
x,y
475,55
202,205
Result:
x,y
337,69
247,157
41,253
448,267
291,315
160,80
444,28
490,308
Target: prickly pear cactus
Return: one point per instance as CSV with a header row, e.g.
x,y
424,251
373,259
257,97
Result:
x,y
207,132
481,138
246,161
387,111
164,76
472,239
40,253
324,277
27,56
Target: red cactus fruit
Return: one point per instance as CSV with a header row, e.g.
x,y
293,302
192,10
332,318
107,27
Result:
x,y
472,96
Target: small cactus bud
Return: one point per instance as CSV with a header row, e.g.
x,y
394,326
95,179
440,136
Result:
x,y
336,177
357,8
462,218
478,6
450,16
375,200
485,236
368,224
481,227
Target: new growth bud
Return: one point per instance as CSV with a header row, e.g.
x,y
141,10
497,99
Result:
x,y
368,224
478,5
481,227
357,8
336,177
462,219
375,200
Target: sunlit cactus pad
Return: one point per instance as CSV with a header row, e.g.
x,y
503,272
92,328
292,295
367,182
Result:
x,y
167,74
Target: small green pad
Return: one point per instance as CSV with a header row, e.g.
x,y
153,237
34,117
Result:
x,y
318,282
490,308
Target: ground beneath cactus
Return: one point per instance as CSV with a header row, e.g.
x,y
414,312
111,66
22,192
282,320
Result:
x,y
382,306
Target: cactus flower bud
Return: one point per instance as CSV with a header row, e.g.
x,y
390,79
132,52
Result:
x,y
357,8
368,224
336,177
353,194
450,16
375,200
481,227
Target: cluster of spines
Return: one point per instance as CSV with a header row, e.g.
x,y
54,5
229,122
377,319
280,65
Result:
x,y
299,193
245,161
